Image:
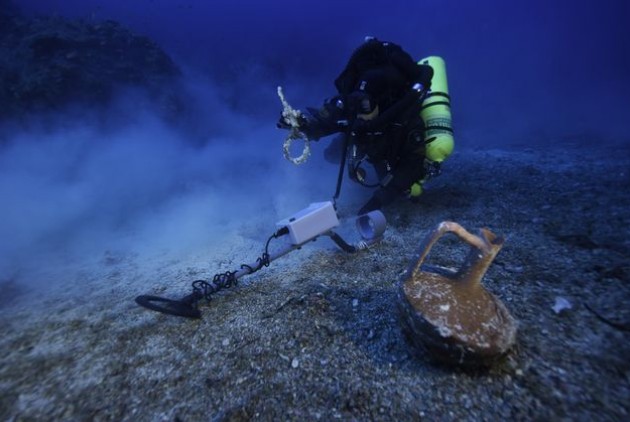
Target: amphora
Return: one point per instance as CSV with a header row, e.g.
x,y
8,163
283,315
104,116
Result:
x,y
450,313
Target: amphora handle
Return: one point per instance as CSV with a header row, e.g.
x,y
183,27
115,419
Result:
x,y
483,249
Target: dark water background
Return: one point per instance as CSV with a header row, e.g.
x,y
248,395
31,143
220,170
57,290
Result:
x,y
520,73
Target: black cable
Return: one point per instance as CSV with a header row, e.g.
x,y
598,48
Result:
x,y
342,167
345,246
187,306
228,278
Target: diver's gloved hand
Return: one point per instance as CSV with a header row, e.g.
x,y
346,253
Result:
x,y
283,123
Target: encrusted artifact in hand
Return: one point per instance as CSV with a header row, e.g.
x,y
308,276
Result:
x,y
293,118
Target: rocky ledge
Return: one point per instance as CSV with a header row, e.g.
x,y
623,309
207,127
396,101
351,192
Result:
x,y
47,63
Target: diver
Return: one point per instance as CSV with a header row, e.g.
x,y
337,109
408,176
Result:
x,y
377,109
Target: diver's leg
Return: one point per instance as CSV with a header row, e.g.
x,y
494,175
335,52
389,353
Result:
x,y
408,171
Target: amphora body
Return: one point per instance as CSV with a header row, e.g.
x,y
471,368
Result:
x,y
450,313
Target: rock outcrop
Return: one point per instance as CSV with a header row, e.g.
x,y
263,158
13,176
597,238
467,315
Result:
x,y
47,63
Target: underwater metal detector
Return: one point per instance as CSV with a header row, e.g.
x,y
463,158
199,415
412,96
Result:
x,y
318,219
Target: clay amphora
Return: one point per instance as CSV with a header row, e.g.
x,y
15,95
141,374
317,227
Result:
x,y
451,314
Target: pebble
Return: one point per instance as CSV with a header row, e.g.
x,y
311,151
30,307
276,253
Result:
x,y
561,304
355,303
515,269
225,342
295,363
468,404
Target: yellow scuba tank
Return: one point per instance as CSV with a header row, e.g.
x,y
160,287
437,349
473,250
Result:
x,y
436,114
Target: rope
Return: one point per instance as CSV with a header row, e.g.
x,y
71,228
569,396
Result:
x,y
292,117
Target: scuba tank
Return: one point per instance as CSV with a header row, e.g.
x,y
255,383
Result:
x,y
436,114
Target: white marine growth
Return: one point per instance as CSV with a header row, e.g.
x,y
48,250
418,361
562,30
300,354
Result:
x,y
291,116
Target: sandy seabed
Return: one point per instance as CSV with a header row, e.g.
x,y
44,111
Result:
x,y
316,335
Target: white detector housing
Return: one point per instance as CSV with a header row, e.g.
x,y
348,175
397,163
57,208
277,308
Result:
x,y
316,219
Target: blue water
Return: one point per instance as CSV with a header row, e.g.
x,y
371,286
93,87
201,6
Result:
x,y
558,66
521,73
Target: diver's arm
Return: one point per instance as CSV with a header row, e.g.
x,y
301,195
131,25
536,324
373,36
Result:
x,y
318,123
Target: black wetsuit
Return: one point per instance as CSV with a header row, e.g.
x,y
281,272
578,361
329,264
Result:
x,y
379,75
